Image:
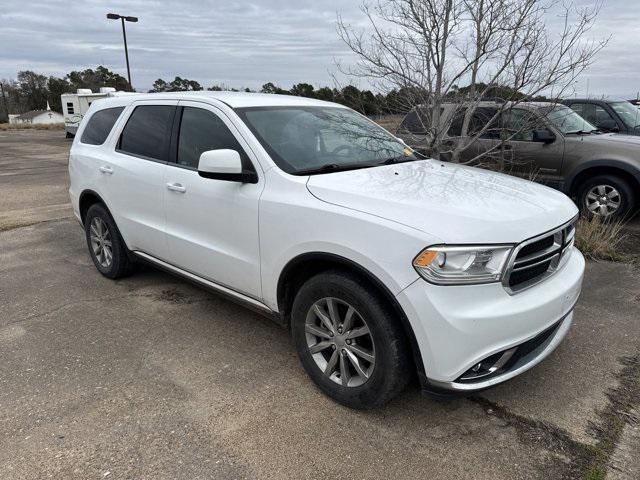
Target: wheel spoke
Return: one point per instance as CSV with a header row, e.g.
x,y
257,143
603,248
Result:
x,y
592,196
320,346
358,332
356,364
345,376
331,364
603,210
333,312
361,352
323,318
347,324
317,331
601,189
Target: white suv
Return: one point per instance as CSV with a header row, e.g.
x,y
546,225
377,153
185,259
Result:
x,y
382,264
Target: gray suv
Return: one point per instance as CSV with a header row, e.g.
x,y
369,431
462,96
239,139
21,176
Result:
x,y
546,142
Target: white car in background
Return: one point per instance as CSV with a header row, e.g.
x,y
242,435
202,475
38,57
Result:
x,y
382,264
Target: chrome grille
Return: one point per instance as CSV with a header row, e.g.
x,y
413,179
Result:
x,y
534,260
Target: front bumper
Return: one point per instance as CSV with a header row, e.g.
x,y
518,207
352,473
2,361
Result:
x,y
458,327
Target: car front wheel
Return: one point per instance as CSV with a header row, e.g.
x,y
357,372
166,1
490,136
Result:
x,y
348,341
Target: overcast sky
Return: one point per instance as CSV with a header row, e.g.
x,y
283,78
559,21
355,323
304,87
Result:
x,y
240,43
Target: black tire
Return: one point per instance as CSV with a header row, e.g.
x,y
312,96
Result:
x,y
391,370
119,265
624,189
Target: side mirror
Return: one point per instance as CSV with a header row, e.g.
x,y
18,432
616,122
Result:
x,y
543,136
224,164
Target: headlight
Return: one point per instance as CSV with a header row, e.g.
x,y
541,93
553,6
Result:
x,y
462,265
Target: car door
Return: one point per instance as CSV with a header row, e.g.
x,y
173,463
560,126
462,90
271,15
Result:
x,y
212,225
523,155
133,175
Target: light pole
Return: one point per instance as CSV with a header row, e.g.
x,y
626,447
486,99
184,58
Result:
x,y
115,16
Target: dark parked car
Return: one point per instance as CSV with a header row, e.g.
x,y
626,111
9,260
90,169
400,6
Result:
x,y
616,116
549,143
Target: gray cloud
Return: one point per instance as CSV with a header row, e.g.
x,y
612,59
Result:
x,y
241,43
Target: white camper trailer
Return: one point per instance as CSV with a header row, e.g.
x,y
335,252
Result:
x,y
75,105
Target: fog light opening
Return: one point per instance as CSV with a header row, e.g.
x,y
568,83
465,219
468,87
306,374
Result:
x,y
489,365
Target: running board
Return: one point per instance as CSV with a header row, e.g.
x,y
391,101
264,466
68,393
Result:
x,y
221,289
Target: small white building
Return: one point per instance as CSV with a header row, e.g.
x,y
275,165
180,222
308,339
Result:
x,y
37,117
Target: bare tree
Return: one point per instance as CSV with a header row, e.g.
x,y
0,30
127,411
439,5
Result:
x,y
428,48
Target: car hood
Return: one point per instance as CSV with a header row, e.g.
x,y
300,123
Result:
x,y
612,139
455,203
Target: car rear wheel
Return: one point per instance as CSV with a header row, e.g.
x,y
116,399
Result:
x,y
348,341
607,197
106,247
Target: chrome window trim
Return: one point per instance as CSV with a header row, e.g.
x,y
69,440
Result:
x,y
563,250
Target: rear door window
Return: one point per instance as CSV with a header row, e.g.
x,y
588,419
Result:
x,y
482,117
99,126
148,131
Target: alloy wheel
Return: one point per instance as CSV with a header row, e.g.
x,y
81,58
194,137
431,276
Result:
x,y
340,342
603,200
101,243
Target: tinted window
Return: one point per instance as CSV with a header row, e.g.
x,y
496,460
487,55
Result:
x,y
70,108
201,130
416,122
480,118
147,132
99,126
603,118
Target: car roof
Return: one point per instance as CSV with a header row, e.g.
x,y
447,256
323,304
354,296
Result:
x,y
232,99
593,100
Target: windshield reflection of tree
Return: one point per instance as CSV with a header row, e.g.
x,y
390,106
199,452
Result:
x,y
336,136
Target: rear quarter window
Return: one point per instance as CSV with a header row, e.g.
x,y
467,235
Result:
x,y
99,126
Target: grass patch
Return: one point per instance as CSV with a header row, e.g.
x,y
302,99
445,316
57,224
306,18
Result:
x,y
602,240
29,126
621,401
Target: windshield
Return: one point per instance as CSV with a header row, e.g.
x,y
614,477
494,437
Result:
x,y
629,114
306,140
568,121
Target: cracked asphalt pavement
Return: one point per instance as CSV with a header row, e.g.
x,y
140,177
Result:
x,y
151,377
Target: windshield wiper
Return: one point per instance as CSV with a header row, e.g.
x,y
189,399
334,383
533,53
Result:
x,y
581,132
398,159
331,167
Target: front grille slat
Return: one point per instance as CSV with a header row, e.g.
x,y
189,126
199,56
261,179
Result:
x,y
538,258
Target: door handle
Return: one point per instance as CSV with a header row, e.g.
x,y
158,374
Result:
x,y
106,169
176,187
